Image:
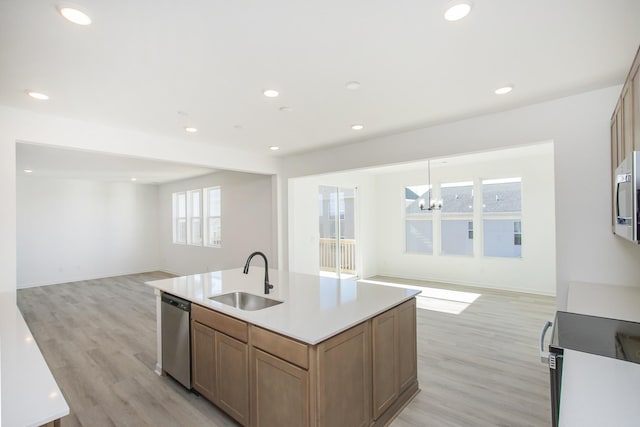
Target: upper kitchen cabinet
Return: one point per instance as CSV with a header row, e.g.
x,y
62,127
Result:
x,y
625,122
635,91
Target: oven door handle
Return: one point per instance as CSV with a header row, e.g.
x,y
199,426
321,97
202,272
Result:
x,y
544,355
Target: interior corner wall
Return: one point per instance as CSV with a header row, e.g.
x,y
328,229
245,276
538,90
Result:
x,y
303,221
586,250
246,218
7,214
534,272
75,229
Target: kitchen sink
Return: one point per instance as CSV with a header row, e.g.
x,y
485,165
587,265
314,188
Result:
x,y
245,301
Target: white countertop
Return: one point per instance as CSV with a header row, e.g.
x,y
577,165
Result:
x,y
314,308
596,390
599,391
30,394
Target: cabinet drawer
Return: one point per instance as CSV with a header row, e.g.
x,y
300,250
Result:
x,y
221,322
285,348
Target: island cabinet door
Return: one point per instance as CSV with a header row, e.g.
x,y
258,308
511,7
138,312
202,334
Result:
x,y
280,392
344,379
203,366
232,365
386,385
407,351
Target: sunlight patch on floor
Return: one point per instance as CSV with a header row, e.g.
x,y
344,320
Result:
x,y
335,276
436,299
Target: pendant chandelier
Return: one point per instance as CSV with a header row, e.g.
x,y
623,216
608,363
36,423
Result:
x,y
434,205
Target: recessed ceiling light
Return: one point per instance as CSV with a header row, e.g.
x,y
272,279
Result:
x,y
190,129
286,109
134,179
503,90
353,85
271,93
457,10
274,148
28,170
357,126
37,95
75,16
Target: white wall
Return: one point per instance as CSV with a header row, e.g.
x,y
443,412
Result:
x,y
579,127
70,229
25,126
534,272
303,221
7,213
247,223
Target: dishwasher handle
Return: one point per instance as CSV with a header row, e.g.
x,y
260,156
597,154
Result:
x,y
180,303
544,355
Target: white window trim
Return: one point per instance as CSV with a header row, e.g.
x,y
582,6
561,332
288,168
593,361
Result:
x,y
176,218
190,217
477,217
206,217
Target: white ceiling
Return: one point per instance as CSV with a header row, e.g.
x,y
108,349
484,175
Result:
x,y
141,62
60,163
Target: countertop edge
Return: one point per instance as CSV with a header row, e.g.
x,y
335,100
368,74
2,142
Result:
x,y
344,316
26,372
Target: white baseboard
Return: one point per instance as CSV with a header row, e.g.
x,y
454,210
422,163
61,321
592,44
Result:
x,y
465,283
82,278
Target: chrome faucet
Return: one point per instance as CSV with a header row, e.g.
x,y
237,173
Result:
x,y
267,285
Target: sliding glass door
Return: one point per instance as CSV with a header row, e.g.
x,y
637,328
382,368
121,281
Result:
x,y
337,222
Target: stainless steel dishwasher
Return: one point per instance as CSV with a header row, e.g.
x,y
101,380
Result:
x,y
176,342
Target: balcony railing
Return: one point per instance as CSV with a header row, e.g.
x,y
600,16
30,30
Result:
x,y
347,255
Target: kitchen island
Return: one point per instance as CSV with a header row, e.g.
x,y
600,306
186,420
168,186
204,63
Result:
x,y
334,352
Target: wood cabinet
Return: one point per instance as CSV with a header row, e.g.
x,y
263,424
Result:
x,y
386,384
360,377
232,366
394,355
407,347
625,124
280,392
219,362
203,368
344,379
625,136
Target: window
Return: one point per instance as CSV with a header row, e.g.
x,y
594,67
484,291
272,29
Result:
x,y
497,228
457,218
213,225
179,218
517,233
457,198
419,236
196,215
501,206
418,222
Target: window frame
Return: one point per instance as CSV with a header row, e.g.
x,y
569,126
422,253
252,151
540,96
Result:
x,y
208,217
422,215
191,216
513,216
177,219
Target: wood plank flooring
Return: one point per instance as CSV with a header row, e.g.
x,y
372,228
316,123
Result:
x,y
476,368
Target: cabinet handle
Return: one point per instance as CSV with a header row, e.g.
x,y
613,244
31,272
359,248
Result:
x,y
544,355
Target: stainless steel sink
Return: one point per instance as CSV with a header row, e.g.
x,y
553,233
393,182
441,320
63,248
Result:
x,y
245,301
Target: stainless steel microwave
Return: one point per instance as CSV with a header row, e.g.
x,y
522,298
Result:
x,y
625,197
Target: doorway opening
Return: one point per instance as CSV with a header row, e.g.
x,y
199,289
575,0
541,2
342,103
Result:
x,y
337,226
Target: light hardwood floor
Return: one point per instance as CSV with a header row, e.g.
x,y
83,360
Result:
x,y
476,368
